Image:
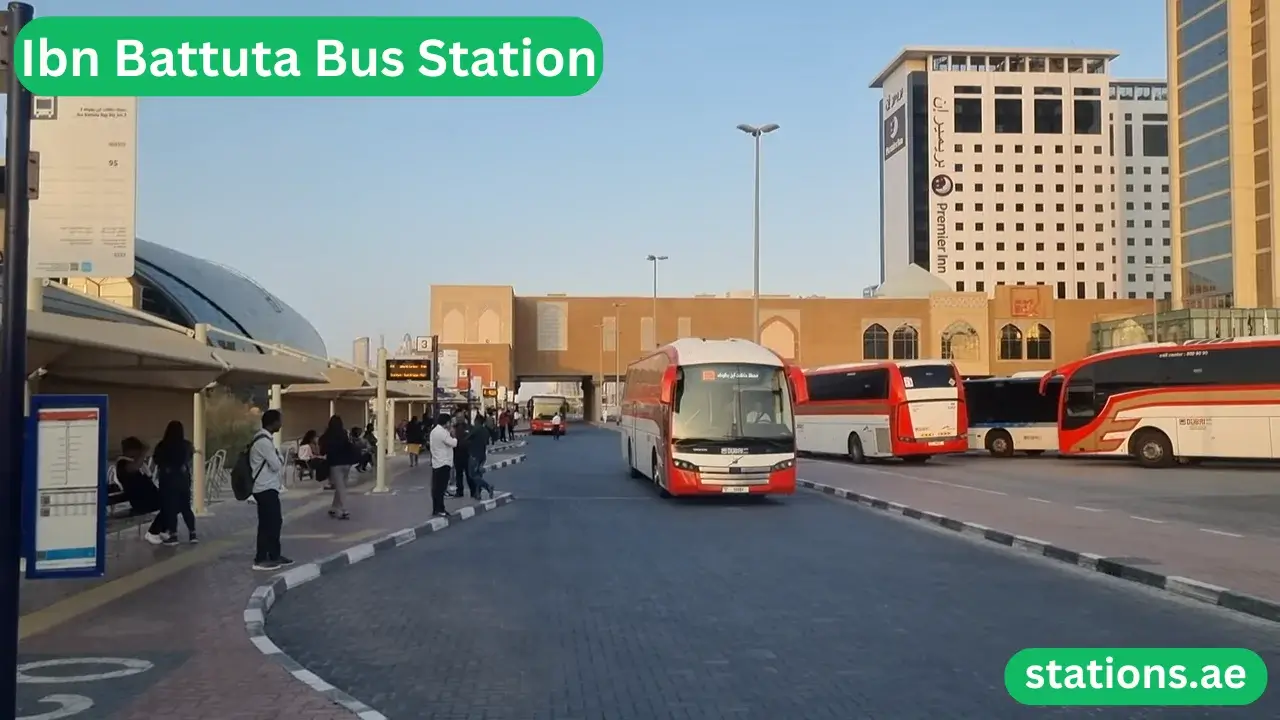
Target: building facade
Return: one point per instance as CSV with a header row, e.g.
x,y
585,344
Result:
x,y
1221,62
1140,135
998,168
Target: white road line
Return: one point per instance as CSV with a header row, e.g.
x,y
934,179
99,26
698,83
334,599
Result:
x,y
1040,500
1146,519
1089,509
1220,532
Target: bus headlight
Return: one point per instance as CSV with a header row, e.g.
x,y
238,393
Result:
x,y
784,465
684,465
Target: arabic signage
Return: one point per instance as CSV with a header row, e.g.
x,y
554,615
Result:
x,y
408,370
940,184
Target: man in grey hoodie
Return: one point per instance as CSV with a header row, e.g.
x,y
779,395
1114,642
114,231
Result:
x,y
268,471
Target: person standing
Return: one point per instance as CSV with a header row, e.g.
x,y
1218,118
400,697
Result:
x,y
414,436
441,444
557,425
461,457
340,454
173,457
478,444
268,470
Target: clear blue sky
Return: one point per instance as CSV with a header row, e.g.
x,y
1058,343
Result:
x,y
349,209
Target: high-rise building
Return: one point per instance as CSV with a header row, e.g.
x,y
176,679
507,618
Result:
x,y
1221,62
1140,131
998,168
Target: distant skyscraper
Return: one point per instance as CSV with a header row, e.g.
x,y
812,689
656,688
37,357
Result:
x,y
360,352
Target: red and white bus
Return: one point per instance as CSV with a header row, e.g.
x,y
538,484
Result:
x,y
1162,403
710,417
909,409
543,408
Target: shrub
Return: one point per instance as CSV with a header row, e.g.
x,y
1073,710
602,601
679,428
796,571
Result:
x,y
229,423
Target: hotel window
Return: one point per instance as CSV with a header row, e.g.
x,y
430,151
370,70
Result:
x,y
1048,116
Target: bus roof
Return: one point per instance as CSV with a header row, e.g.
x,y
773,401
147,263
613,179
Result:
x,y
847,367
700,351
1159,347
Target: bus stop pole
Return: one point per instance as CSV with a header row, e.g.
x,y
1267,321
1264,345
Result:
x,y
13,349
380,426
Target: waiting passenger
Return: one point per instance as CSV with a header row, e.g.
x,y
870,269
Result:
x,y
173,458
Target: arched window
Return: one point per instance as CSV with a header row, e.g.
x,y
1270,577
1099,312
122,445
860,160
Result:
x,y
906,343
875,343
960,342
1039,343
1010,343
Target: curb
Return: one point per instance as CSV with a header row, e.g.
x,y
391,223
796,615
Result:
x,y
265,596
1177,585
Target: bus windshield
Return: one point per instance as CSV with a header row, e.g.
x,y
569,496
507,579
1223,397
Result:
x,y
928,377
729,402
545,408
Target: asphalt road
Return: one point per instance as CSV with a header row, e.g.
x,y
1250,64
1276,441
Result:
x,y
1242,499
591,598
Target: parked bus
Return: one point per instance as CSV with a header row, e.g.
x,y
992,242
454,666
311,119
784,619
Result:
x,y
909,409
703,417
1009,414
1162,403
542,408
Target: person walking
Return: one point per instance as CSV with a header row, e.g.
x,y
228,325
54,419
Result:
x,y
441,444
461,457
340,454
173,457
414,437
478,445
268,471
557,425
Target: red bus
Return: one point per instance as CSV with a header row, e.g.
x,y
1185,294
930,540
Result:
x,y
908,409
544,408
1170,402
711,417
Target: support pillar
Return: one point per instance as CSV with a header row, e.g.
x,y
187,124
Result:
x,y
199,439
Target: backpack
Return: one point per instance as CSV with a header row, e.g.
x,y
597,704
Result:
x,y
242,475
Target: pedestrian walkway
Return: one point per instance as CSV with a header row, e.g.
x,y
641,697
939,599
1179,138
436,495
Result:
x,y
1242,564
169,639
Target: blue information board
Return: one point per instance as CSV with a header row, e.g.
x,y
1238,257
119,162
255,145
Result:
x,y
65,487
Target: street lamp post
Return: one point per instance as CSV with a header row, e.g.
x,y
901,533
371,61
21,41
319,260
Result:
x,y
655,259
617,358
757,132
1155,299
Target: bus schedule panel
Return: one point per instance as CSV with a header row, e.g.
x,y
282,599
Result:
x,y
1159,404
728,428
906,409
408,370
65,493
1008,415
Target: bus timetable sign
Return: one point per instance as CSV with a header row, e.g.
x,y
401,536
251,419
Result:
x,y
408,369
491,392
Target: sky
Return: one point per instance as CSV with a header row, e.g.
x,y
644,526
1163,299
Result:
x,y
349,209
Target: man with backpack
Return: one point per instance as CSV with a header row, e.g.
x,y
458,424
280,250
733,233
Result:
x,y
259,472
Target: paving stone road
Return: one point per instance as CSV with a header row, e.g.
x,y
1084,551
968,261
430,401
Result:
x,y
591,598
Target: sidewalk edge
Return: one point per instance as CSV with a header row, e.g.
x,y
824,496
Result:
x,y
265,596
1186,587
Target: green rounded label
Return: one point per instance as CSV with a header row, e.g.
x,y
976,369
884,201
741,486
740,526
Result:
x,y
1096,677
309,56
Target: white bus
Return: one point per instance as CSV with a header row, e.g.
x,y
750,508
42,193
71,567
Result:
x,y
1009,414
703,417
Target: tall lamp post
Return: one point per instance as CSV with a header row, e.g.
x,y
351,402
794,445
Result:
x,y
600,388
617,358
655,259
757,132
1154,268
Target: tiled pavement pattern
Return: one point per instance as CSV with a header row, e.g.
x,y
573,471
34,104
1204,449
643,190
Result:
x,y
590,598
1142,526
184,634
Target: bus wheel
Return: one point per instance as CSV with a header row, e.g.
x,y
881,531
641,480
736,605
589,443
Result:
x,y
1000,443
657,479
631,465
856,455
1152,449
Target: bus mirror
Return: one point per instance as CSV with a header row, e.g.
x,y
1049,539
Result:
x,y
799,385
668,386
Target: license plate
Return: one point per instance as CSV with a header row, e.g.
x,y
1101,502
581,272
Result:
x,y
735,490
935,443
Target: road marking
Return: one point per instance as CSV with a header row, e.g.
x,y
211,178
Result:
x,y
128,666
1147,519
1089,509
1040,500
932,481
587,497
1220,532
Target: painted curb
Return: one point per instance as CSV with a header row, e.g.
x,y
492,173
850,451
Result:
x,y
1177,585
264,597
